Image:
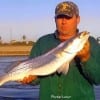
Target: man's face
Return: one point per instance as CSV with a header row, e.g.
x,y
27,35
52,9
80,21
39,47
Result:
x,y
66,25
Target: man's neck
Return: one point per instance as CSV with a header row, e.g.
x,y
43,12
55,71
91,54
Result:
x,y
64,37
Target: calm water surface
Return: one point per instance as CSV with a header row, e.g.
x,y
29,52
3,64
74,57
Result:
x,y
17,91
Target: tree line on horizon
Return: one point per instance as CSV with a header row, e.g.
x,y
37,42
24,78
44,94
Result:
x,y
14,42
18,43
24,42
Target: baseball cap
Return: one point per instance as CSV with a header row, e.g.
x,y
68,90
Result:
x,y
67,8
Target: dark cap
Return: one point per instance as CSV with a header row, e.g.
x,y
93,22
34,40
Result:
x,y
67,8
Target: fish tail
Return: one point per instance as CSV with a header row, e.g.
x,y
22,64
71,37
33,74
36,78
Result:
x,y
2,80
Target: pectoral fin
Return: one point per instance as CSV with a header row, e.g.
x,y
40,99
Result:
x,y
64,68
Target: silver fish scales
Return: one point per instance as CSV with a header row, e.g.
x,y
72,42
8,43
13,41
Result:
x,y
58,59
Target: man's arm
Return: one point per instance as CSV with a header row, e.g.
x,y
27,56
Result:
x,y
84,54
91,66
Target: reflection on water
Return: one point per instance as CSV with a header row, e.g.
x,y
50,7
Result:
x,y
15,90
6,98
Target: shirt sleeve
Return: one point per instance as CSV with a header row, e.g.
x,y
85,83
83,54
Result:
x,y
91,68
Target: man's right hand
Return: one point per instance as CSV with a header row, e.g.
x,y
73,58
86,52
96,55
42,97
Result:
x,y
28,79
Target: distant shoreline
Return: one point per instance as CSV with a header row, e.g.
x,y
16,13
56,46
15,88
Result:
x,y
15,50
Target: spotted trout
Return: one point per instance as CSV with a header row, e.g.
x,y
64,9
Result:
x,y
56,60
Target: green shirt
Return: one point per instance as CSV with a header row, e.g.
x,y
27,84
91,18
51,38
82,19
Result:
x,y
79,81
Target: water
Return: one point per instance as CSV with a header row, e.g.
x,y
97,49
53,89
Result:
x,y
17,91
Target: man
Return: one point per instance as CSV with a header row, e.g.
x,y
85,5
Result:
x,y
84,69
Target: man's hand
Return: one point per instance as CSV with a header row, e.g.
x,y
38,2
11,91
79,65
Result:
x,y
28,79
84,54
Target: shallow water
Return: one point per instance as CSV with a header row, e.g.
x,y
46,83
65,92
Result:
x,y
15,90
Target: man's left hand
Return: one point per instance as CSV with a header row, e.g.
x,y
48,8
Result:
x,y
84,54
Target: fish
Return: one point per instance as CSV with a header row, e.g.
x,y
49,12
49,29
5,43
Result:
x,y
55,60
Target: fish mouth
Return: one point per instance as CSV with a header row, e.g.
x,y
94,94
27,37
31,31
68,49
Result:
x,y
84,34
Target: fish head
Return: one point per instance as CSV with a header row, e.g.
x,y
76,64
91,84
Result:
x,y
83,38
77,43
83,35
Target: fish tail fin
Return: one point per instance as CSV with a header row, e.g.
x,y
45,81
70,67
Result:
x,y
64,68
2,80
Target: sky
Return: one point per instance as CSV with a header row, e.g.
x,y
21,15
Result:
x,y
35,18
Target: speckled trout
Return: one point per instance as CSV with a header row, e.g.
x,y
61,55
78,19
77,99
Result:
x,y
56,60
